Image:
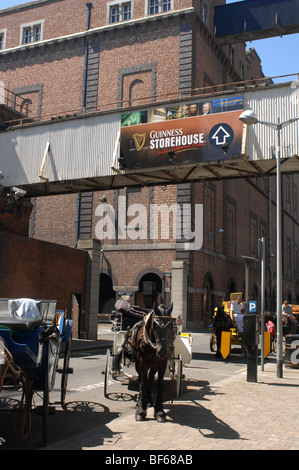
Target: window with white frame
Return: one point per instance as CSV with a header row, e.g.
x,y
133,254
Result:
x,y
3,38
120,11
159,6
31,32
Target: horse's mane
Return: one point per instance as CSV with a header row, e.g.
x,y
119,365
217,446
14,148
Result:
x,y
148,322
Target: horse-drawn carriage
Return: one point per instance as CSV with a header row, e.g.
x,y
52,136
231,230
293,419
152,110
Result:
x,y
150,339
225,331
31,335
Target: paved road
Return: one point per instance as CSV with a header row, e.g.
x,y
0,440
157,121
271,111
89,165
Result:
x,y
218,408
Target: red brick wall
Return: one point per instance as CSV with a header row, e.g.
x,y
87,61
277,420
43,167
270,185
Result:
x,y
59,68
156,42
64,17
53,219
14,216
40,270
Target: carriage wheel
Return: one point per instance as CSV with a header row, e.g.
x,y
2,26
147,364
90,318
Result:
x,y
179,377
212,343
66,370
107,373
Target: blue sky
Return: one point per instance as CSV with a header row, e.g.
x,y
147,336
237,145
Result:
x,y
279,56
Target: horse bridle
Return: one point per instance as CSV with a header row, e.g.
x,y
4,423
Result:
x,y
162,322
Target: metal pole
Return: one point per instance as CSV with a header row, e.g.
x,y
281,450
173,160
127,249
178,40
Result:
x,y
262,240
249,117
278,259
246,282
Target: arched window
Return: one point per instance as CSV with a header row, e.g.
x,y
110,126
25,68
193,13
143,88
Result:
x,y
25,106
107,294
150,288
134,90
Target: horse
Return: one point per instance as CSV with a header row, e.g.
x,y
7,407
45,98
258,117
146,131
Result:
x,y
289,324
152,343
221,321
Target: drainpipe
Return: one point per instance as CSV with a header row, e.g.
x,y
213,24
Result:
x,y
78,218
89,6
269,243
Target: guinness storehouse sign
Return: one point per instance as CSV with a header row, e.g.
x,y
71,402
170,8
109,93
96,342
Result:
x,y
204,138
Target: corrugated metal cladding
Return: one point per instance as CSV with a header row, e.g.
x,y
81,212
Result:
x,y
83,147
273,104
79,148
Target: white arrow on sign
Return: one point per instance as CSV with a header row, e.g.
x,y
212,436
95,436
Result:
x,y
221,133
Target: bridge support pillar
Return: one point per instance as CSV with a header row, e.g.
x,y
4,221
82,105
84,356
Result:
x,y
93,247
179,289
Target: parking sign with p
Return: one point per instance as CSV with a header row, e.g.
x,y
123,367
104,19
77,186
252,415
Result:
x,y
252,306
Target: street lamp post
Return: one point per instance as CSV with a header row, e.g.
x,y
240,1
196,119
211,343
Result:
x,y
249,117
262,256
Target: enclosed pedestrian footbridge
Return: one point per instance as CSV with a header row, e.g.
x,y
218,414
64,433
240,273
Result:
x,y
172,142
255,19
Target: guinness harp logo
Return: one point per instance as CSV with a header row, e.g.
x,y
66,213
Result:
x,y
139,141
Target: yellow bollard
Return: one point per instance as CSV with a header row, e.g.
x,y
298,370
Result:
x,y
225,343
267,343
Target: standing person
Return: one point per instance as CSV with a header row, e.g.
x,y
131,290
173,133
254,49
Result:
x,y
240,317
235,307
270,328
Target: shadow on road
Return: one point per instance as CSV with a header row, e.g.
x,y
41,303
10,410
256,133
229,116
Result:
x,y
75,418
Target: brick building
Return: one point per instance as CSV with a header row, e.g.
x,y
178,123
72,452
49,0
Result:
x,y
41,270
68,57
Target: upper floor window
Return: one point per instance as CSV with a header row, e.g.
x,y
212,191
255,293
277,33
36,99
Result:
x,y
31,32
159,6
242,70
119,12
232,55
2,38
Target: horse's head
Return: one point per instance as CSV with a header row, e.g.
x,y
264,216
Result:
x,y
163,334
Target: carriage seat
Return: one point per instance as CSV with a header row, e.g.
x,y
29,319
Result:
x,y
45,313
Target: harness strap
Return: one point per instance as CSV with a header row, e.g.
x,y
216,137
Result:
x,y
145,335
